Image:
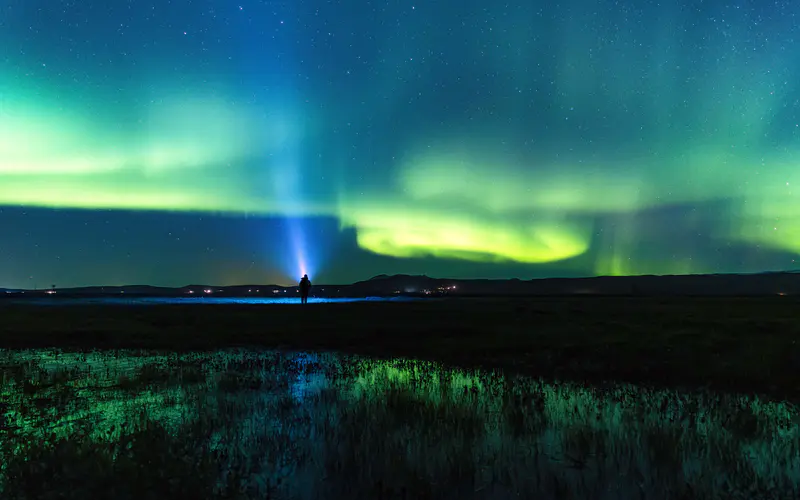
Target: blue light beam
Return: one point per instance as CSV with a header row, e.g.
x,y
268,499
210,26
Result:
x,y
288,190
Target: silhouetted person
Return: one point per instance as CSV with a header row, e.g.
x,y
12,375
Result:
x,y
305,286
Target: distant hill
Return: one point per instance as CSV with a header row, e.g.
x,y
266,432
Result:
x,y
770,283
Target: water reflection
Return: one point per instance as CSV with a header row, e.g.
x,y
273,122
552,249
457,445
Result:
x,y
242,424
145,301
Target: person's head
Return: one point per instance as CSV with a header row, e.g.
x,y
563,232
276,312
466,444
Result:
x,y
305,276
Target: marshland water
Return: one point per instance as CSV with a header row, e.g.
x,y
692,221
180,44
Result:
x,y
244,424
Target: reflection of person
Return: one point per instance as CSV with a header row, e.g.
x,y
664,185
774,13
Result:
x,y
305,286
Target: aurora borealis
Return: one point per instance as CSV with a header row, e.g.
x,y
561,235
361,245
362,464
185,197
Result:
x,y
208,141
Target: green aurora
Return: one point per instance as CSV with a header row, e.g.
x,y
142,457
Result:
x,y
516,134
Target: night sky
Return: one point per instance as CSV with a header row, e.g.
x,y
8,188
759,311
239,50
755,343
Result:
x,y
173,142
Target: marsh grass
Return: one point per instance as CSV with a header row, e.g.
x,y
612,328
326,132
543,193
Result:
x,y
244,424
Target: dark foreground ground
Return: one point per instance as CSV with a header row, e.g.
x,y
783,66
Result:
x,y
744,344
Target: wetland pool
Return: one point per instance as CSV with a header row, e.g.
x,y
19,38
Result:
x,y
268,424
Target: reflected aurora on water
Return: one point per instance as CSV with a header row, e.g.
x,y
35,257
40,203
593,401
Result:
x,y
297,425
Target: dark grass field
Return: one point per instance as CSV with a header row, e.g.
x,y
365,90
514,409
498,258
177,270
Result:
x,y
740,344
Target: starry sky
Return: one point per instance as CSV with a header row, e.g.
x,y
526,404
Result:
x,y
170,142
